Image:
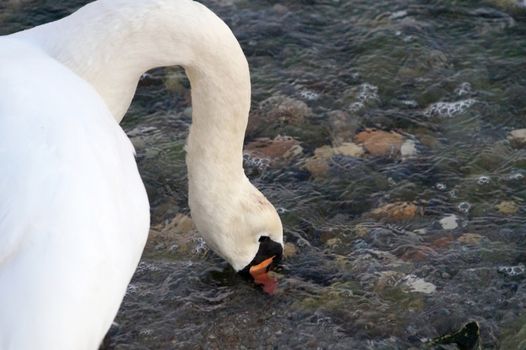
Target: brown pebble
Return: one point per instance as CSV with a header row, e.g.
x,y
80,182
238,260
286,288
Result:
x,y
277,149
470,238
380,143
317,166
507,207
289,250
517,138
397,211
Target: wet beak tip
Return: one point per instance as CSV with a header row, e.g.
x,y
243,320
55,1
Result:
x,y
261,277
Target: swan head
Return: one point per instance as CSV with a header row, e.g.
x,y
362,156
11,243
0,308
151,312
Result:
x,y
242,226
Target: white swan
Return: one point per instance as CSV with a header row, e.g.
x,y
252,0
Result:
x,y
74,215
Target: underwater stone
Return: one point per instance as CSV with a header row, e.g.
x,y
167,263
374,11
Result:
x,y
517,138
280,9
418,285
388,279
515,6
289,250
280,150
470,239
408,150
397,211
318,165
380,143
342,126
449,222
284,109
507,207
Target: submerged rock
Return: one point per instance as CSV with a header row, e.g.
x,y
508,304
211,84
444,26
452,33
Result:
x,y
418,285
318,165
278,111
517,138
397,211
342,127
388,279
507,207
289,250
408,150
470,239
449,222
514,6
381,143
280,150
280,9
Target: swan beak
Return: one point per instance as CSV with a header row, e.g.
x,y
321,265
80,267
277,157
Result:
x,y
261,276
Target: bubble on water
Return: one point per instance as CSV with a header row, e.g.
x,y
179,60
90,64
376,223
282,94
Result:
x,y
515,177
132,288
409,103
364,93
256,162
302,242
448,109
146,332
360,244
282,210
464,89
367,92
453,194
141,131
440,186
309,95
464,207
147,267
356,106
200,246
512,271
323,321
483,180
146,76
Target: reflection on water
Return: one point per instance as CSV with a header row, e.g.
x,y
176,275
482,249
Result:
x,y
400,184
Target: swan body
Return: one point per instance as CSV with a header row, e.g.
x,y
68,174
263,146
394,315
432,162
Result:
x,y
74,215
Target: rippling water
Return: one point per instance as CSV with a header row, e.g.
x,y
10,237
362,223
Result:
x,y
388,249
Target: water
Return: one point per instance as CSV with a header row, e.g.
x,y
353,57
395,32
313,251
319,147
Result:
x,y
447,245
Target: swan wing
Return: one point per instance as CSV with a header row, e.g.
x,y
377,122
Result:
x,y
73,211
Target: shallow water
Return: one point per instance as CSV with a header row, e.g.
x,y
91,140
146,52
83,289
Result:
x,y
447,76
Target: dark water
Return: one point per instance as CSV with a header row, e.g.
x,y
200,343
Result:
x,y
448,77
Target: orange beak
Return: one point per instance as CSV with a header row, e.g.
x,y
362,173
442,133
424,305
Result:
x,y
260,274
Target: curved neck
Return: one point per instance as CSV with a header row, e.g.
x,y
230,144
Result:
x,y
111,43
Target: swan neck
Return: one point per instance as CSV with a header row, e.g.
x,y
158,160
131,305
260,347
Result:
x,y
111,43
